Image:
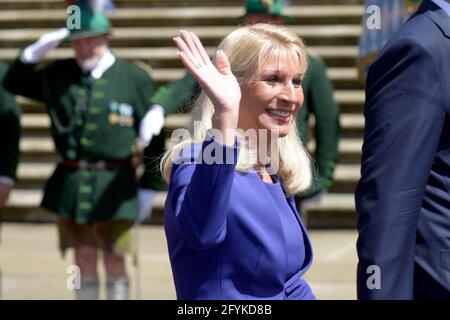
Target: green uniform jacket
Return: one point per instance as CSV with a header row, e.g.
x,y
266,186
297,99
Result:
x,y
177,94
319,101
92,120
9,130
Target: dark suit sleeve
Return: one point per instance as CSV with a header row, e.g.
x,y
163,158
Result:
x,y
25,79
199,194
404,118
327,128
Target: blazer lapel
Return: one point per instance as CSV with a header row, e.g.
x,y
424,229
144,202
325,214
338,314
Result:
x,y
438,15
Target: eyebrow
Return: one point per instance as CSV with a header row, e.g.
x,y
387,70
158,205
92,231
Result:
x,y
279,71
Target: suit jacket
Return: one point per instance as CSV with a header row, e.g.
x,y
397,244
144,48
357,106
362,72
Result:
x,y
403,197
224,236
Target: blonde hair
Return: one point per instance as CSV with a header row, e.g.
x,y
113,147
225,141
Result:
x,y
247,48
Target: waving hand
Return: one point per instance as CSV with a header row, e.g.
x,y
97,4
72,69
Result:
x,y
218,81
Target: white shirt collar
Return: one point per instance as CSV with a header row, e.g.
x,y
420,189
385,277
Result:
x,y
106,61
444,5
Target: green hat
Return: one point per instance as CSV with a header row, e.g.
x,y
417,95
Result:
x,y
91,23
266,7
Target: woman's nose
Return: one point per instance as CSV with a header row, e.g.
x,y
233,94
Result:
x,y
288,94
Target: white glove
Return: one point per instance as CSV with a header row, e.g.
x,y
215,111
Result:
x,y
146,198
151,124
37,51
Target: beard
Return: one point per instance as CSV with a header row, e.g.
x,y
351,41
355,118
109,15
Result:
x,y
88,64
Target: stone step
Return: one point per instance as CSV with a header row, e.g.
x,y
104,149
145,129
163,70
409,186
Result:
x,y
42,148
335,34
350,101
352,125
35,123
342,78
335,210
37,148
183,16
165,57
38,124
32,174
51,4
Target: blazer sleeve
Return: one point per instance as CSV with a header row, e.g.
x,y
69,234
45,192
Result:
x,y
199,193
404,117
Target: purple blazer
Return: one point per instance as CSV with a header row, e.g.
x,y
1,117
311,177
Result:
x,y
224,236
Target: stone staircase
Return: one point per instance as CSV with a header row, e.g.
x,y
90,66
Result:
x,y
143,30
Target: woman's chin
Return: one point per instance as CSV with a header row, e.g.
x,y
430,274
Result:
x,y
279,131
277,128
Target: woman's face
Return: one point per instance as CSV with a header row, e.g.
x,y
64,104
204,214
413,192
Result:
x,y
272,99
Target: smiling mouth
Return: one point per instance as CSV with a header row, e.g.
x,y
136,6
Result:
x,y
279,113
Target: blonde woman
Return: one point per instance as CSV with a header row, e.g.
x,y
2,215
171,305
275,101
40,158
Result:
x,y
231,223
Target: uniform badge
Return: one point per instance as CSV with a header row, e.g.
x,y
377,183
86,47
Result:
x,y
113,106
113,118
121,114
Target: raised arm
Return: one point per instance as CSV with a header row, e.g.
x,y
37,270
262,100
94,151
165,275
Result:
x,y
199,191
24,76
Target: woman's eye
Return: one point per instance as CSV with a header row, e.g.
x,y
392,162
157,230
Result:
x,y
272,79
297,82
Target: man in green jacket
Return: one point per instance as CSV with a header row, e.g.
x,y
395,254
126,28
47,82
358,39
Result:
x,y
98,105
9,143
319,102
9,139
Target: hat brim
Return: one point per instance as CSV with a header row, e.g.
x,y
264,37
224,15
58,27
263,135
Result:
x,y
86,34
